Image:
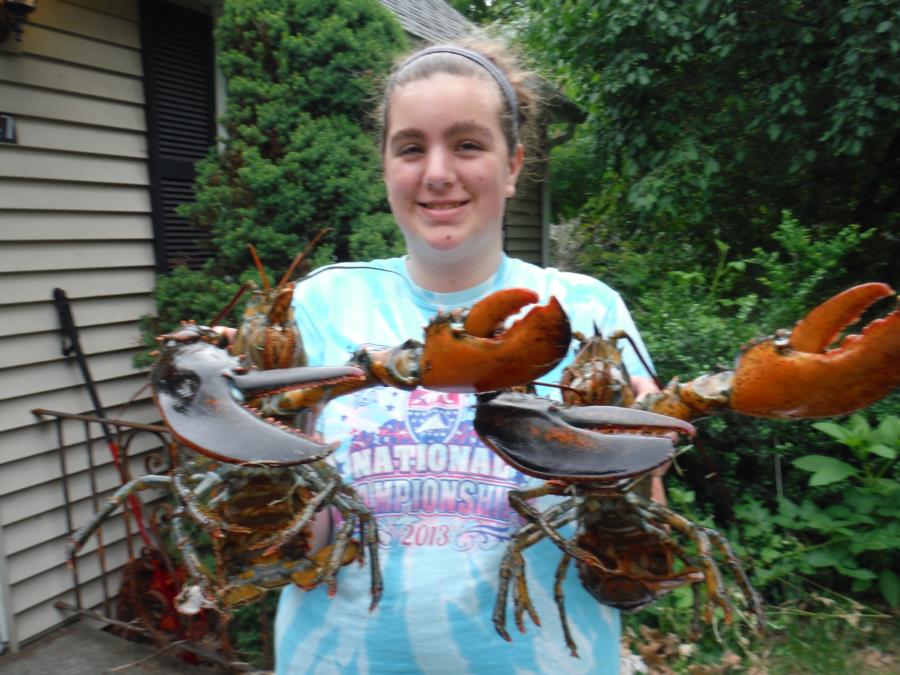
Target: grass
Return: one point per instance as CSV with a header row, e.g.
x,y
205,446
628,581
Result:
x,y
821,634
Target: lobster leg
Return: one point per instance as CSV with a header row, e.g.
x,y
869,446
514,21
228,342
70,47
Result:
x,y
341,540
753,599
558,594
507,570
319,475
304,518
213,525
195,594
368,532
512,568
518,500
715,592
521,597
119,496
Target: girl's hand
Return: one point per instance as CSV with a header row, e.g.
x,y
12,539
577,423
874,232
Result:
x,y
643,386
228,333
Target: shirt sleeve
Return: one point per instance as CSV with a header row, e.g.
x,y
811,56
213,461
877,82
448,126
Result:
x,y
591,304
306,305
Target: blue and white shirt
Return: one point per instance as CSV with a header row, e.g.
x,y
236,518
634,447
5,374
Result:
x,y
439,495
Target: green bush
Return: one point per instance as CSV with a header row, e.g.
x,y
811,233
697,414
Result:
x,y
298,154
694,320
850,524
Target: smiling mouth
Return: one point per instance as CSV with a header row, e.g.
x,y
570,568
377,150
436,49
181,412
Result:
x,y
443,206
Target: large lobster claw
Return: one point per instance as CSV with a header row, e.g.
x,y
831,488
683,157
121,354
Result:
x,y
793,375
200,390
796,376
472,352
542,438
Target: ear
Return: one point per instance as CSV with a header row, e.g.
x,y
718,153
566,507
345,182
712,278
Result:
x,y
516,162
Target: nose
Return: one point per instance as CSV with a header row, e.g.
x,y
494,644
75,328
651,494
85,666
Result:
x,y
439,173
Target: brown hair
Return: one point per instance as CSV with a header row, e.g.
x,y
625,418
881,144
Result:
x,y
411,67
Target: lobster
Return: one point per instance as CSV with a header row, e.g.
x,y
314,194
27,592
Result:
x,y
256,481
533,346
255,506
626,546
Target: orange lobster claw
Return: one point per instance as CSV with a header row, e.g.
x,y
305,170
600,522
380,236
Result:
x,y
471,352
797,377
470,360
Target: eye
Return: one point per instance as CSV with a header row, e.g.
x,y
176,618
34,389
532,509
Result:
x,y
470,146
409,149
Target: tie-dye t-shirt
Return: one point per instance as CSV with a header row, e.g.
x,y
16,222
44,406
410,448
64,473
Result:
x,y
440,497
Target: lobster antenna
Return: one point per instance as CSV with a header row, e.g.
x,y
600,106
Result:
x,y
259,267
300,257
561,387
348,266
659,383
231,304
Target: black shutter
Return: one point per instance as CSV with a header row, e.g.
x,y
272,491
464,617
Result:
x,y
179,91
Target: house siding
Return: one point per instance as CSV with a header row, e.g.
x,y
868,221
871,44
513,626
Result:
x,y
74,214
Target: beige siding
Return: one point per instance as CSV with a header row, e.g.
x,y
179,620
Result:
x,y
74,214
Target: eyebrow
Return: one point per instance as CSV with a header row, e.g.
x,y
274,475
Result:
x,y
463,127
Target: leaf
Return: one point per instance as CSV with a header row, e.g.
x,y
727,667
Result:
x,y
769,554
821,558
883,451
861,501
889,430
890,587
826,470
833,429
856,572
684,598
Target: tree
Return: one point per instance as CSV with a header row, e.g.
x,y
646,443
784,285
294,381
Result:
x,y
478,11
707,118
298,153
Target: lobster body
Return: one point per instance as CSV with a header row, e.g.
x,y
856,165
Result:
x,y
644,563
630,550
268,335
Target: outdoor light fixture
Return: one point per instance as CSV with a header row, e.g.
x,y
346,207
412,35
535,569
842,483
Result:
x,y
12,15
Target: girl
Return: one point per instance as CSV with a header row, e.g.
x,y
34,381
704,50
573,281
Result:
x,y
453,118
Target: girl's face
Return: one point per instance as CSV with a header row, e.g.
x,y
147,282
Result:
x,y
447,167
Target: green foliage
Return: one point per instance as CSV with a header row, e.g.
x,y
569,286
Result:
x,y
298,153
711,116
694,319
378,237
852,529
477,11
252,630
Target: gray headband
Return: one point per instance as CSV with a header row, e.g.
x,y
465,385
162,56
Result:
x,y
502,81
